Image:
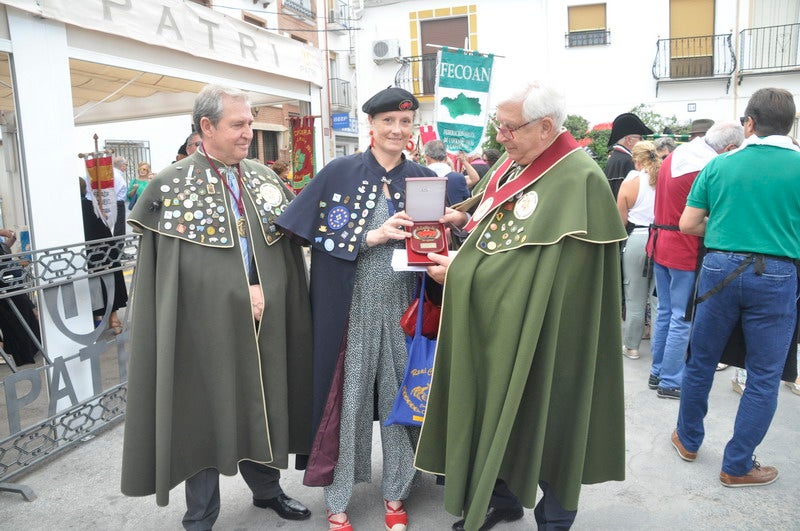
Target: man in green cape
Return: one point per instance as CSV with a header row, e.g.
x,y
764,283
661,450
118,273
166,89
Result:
x,y
527,386
221,350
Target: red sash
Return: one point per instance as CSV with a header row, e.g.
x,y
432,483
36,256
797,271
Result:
x,y
495,195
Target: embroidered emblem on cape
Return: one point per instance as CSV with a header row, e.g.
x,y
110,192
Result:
x,y
338,217
340,225
195,209
504,230
271,194
526,205
269,201
192,209
483,209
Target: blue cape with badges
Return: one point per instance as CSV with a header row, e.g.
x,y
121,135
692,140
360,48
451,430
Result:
x,y
329,214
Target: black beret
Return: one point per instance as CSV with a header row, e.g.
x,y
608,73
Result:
x,y
390,99
627,124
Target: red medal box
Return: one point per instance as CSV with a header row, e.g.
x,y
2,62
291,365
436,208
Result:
x,y
425,201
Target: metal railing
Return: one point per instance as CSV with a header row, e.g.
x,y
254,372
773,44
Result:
x,y
771,48
340,14
134,151
33,429
417,74
341,96
587,38
692,58
298,7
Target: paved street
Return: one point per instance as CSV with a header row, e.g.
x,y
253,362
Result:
x,y
80,489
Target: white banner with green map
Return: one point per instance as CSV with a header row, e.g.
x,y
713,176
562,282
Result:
x,y
462,97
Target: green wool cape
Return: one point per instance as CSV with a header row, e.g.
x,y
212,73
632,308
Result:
x,y
527,383
207,387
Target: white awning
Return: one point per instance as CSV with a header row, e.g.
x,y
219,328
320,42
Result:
x,y
145,58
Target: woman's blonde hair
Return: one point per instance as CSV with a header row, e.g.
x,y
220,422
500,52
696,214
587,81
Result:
x,y
644,154
144,163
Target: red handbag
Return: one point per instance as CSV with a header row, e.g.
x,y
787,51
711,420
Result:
x,y
430,316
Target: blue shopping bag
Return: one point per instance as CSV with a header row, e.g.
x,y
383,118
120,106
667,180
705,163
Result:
x,y
412,397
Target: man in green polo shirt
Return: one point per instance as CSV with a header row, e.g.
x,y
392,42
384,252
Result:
x,y
746,204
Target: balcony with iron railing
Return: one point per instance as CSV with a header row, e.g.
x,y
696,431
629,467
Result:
x,y
587,38
339,16
417,74
341,95
769,50
694,58
298,7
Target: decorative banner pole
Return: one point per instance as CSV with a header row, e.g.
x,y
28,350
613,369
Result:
x,y
101,183
302,151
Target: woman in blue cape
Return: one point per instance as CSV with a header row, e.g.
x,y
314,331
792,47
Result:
x,y
352,215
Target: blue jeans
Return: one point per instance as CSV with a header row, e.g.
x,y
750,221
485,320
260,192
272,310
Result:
x,y
766,306
671,333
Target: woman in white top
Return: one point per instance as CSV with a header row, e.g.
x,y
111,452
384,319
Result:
x,y
635,203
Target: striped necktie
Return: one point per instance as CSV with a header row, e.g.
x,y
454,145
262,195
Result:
x,y
236,194
512,173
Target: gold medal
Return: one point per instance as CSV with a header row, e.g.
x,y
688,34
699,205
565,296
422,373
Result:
x,y
241,227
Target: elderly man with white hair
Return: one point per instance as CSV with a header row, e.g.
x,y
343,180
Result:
x,y
527,387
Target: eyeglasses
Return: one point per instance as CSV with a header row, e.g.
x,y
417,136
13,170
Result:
x,y
509,131
742,120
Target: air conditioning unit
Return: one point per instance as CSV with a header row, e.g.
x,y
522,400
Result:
x,y
385,50
351,59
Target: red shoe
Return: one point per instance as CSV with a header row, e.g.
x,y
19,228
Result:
x,y
335,522
396,519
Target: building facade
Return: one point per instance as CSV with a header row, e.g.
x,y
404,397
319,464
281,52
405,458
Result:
x,y
687,58
68,69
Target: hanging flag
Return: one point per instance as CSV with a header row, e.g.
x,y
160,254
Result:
x,y
302,151
426,134
462,98
101,186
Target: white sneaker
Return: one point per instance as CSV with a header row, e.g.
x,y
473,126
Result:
x,y
794,387
630,353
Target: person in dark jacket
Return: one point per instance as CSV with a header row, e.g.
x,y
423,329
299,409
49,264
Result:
x,y
626,130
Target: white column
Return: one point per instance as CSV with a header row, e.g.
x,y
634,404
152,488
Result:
x,y
44,102
321,124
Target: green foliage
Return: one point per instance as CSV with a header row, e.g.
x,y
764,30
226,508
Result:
x,y
491,137
657,122
599,146
577,126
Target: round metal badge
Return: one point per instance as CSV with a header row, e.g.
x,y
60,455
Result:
x,y
338,217
271,194
526,205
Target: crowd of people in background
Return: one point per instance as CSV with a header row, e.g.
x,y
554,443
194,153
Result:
x,y
715,236
704,235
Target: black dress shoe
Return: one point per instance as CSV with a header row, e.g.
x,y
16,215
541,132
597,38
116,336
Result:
x,y
286,507
493,517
